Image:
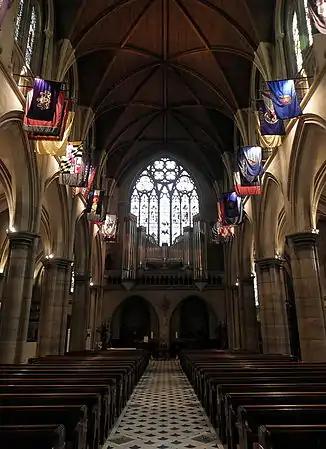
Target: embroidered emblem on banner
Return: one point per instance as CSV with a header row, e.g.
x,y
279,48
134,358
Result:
x,y
44,100
286,99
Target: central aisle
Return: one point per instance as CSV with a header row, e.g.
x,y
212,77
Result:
x,y
163,413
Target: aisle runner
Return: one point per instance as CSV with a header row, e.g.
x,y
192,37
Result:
x,y
163,413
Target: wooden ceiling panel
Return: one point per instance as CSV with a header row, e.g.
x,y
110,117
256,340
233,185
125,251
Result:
x,y
163,70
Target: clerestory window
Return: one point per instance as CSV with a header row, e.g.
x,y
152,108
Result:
x,y
301,33
28,30
164,199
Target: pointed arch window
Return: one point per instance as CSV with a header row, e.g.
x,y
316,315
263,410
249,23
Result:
x,y
164,199
19,19
31,37
28,30
301,33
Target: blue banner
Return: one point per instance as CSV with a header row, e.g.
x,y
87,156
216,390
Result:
x,y
285,100
230,209
249,163
270,124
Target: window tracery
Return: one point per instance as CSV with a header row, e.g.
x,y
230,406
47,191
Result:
x,y
301,33
164,200
31,37
28,21
19,20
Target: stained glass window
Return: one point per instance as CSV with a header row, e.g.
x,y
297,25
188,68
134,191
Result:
x,y
19,19
296,42
301,32
31,37
164,199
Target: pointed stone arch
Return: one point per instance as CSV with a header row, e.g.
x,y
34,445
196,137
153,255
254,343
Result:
x,y
271,204
305,168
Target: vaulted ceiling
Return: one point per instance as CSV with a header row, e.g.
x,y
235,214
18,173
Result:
x,y
165,74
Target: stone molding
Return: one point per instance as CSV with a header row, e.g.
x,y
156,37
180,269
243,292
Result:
x,y
302,239
22,239
248,280
56,262
82,277
267,264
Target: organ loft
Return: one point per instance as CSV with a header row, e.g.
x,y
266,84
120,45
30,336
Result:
x,y
162,224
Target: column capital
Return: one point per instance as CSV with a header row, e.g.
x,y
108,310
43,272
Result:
x,y
302,239
82,277
22,239
266,264
247,279
57,262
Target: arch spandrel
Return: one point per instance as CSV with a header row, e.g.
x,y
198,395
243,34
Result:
x,y
82,246
305,172
57,210
270,205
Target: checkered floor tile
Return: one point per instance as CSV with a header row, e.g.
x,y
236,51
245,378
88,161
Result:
x,y
163,413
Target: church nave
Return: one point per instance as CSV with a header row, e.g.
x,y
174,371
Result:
x,y
163,413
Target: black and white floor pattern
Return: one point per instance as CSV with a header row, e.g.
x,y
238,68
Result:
x,y
163,413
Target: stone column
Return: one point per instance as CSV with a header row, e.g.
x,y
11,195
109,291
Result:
x,y
229,317
47,306
248,315
308,296
65,306
14,313
60,304
273,315
79,313
236,318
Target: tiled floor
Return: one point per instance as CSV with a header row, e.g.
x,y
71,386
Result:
x,y
163,413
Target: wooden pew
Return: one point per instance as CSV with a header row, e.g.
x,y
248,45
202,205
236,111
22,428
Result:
x,y
223,389
91,400
235,400
33,436
45,385
73,417
105,375
251,417
291,436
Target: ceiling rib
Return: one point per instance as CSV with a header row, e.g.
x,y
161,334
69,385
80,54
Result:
x,y
205,42
123,42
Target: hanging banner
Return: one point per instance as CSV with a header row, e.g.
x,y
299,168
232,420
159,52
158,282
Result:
x,y
230,209
44,100
43,127
59,132
284,98
270,124
4,6
317,10
249,165
94,205
56,147
222,234
109,228
75,166
84,191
